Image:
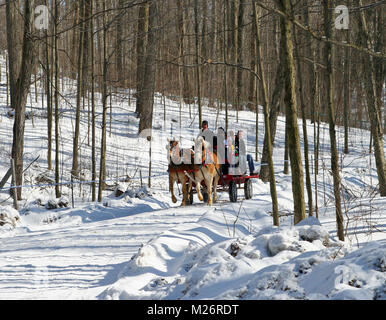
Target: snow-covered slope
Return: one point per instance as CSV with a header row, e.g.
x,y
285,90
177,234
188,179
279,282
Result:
x,y
142,246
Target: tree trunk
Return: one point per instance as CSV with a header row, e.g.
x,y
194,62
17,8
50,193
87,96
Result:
x,y
286,149
212,52
93,136
380,64
315,105
253,88
75,35
373,105
12,38
146,118
187,88
233,27
79,93
49,105
143,17
346,91
198,83
309,65
291,115
119,44
239,58
300,71
225,76
274,112
102,167
328,56
20,86
252,93
56,98
272,181
180,36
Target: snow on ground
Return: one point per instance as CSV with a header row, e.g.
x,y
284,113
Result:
x,y
142,246
214,258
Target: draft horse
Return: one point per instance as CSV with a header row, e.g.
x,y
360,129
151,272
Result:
x,y
177,168
205,168
208,170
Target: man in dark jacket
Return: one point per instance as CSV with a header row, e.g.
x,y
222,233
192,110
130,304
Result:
x,y
209,137
206,132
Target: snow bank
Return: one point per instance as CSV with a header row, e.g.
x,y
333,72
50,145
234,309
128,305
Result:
x,y
9,218
360,275
300,262
44,211
162,266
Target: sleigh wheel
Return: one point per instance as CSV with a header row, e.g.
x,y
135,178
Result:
x,y
233,191
191,196
248,189
206,196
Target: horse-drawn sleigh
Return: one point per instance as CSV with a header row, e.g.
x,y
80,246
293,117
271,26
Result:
x,y
199,171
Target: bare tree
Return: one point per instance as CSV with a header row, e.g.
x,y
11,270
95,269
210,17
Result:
x,y
197,53
291,115
302,98
239,59
19,81
143,17
79,92
275,206
102,166
373,104
119,43
346,90
49,100
328,57
146,116
56,97
274,110
93,133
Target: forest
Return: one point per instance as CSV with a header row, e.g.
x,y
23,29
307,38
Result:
x,y
301,59
319,64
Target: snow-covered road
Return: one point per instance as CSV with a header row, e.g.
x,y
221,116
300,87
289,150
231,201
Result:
x,y
75,261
